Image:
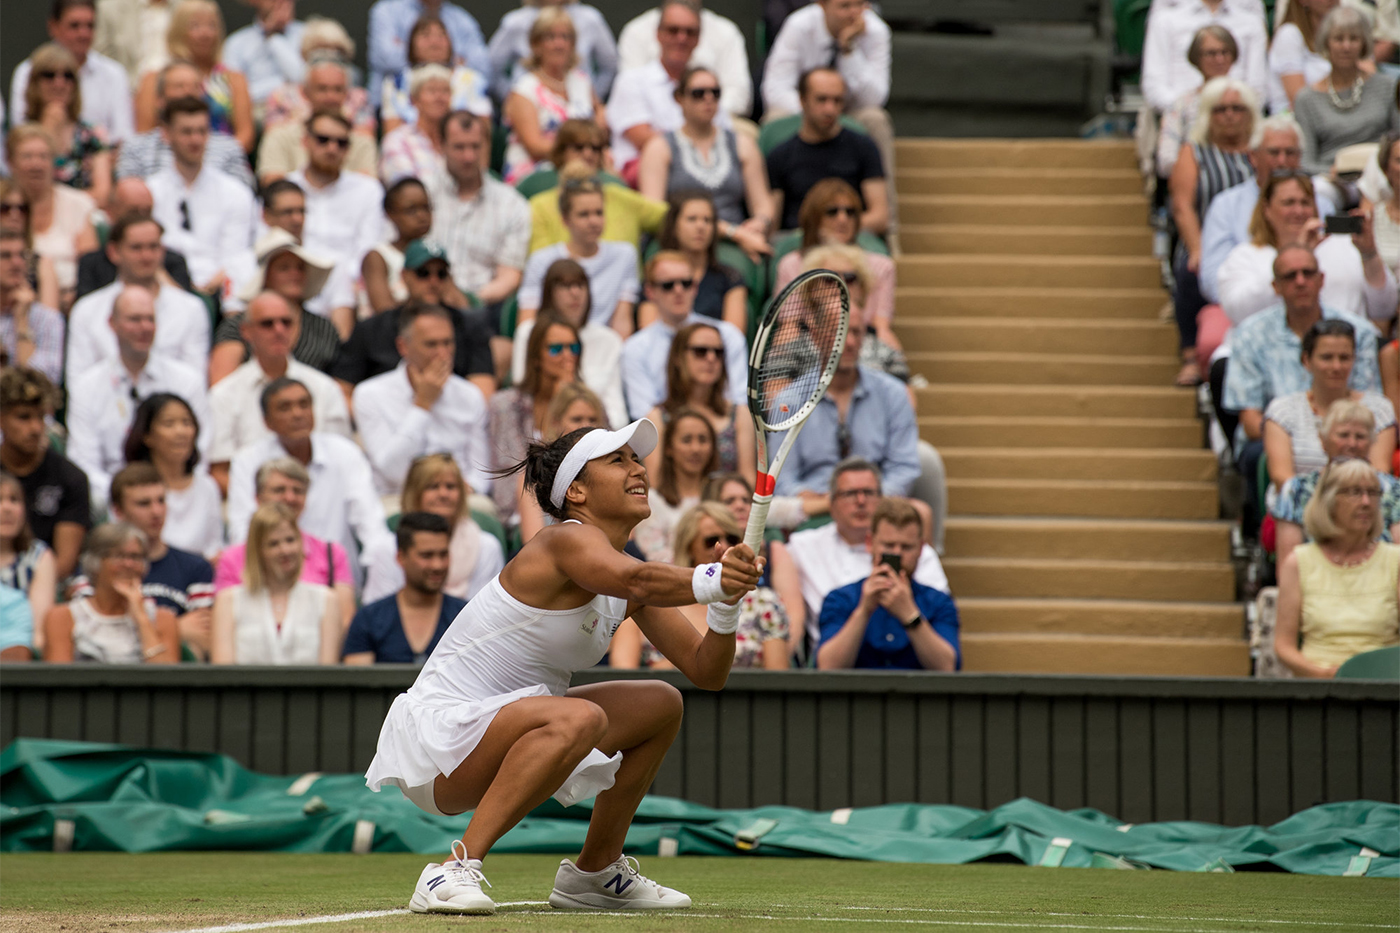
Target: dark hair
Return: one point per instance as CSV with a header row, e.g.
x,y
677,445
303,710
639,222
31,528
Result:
x,y
564,272
1387,142
573,133
26,387
327,113
126,221
410,523
806,78
678,379
691,71
275,189
530,385
276,386
715,483
1328,327
416,309
666,483
25,536
135,449
139,473
423,22
391,195
676,203
541,464
462,119
63,6
182,105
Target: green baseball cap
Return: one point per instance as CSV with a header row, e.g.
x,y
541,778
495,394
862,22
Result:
x,y
422,252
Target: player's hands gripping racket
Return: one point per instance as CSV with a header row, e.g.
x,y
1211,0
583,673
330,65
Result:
x,y
794,355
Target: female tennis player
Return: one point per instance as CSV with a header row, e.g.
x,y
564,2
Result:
x,y
491,724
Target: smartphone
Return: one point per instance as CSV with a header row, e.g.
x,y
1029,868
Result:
x,y
894,561
1344,223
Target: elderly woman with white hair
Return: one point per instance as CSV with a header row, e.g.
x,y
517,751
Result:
x,y
1215,158
430,44
1339,595
414,149
1213,52
118,623
1348,107
323,39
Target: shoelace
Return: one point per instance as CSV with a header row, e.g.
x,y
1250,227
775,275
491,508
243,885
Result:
x,y
635,868
461,872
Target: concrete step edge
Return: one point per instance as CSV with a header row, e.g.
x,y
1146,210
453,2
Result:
x,y
1092,391
1094,605
1090,452
1088,324
1076,524
1120,230
1183,641
1038,259
1067,565
923,171
1056,421
1027,200
1077,485
1012,358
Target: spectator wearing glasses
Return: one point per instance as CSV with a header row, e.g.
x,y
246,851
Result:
x,y
671,286
1213,52
1337,594
54,101
696,381
1167,73
181,319
692,230
1349,106
59,217
31,333
689,453
611,266
596,48
103,398
421,406
207,216
144,154
720,46
405,626
325,89
39,271
164,433
888,619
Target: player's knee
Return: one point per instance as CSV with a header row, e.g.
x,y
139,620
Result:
x,y
589,722
666,701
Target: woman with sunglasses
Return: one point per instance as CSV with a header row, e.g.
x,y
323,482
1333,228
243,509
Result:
x,y
702,156
39,270
850,263
518,414
60,217
611,265
830,216
689,453
54,100
1213,52
698,381
690,229
761,641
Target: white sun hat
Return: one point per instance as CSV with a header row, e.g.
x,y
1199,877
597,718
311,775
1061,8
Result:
x,y
641,434
274,241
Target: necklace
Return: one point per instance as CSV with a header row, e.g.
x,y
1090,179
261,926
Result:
x,y
1353,98
1351,561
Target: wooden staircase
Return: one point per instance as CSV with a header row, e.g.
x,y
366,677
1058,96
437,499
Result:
x,y
1083,535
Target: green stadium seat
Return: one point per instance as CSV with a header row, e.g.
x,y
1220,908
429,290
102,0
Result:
x,y
546,178
776,132
510,313
1381,664
488,524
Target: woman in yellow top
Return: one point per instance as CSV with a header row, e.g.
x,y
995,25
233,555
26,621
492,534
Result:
x,y
1341,590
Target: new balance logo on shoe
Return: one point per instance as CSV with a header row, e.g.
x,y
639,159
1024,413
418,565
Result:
x,y
617,884
432,885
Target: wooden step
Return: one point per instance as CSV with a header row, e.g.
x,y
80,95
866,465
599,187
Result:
x,y
1012,181
1022,153
1037,335
1040,578
1040,210
1044,368
1030,271
1079,497
956,431
985,615
1057,401
1105,654
1046,241
1127,303
1087,539
1183,465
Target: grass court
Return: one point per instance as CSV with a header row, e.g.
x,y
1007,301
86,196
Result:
x,y
238,891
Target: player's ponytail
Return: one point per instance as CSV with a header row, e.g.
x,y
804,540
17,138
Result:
x,y
541,464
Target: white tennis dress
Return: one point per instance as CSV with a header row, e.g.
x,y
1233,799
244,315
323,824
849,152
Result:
x,y
498,650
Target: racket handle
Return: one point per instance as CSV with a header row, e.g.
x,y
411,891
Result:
x,y
758,522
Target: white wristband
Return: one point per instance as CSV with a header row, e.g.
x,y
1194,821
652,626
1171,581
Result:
x,y
707,585
722,619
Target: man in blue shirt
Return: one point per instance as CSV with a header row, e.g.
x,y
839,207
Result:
x,y
268,50
406,627
887,620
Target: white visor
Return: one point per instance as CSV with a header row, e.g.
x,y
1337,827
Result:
x,y
640,434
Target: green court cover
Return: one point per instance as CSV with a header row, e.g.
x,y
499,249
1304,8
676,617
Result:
x,y
97,797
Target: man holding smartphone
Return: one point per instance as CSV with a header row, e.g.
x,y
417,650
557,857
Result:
x,y
888,620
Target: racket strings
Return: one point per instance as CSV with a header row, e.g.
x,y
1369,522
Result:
x,y
803,344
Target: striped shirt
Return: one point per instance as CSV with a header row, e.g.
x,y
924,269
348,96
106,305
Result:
x,y
1217,170
488,231
47,325
316,347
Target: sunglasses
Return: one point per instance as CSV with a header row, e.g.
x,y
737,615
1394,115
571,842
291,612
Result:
x,y
1307,274
557,348
701,352
48,75
671,284
268,323
711,540
850,278
687,31
839,211
423,272
700,93
588,147
340,142
7,206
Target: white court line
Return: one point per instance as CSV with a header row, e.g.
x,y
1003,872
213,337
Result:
x,y
296,921
1046,913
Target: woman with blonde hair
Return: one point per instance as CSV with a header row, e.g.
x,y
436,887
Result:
x,y
435,484
703,532
552,89
510,43
196,35
697,381
60,217
1213,52
54,100
273,616
1339,595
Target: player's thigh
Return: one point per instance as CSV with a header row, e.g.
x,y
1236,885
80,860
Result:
x,y
466,785
637,710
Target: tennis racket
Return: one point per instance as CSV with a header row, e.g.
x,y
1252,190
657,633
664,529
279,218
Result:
x,y
794,355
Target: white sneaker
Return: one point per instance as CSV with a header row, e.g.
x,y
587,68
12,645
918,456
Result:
x,y
454,887
620,886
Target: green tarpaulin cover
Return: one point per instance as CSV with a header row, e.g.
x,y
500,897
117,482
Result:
x,y
118,798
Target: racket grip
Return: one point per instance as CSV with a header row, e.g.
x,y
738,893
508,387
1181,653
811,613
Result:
x,y
758,522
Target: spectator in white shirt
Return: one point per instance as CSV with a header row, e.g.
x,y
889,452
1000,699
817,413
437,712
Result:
x,y
643,102
344,213
721,47
207,214
341,504
421,407
671,286
326,87
284,208
103,398
483,224
164,432
182,320
836,554
270,326
105,89
1166,73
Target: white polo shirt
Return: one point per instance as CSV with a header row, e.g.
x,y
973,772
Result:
x,y
211,221
235,402
182,330
646,95
345,219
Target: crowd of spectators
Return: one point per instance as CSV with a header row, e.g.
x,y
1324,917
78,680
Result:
x,y
1284,286
270,331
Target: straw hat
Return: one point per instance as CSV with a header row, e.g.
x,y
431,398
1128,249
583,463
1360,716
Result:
x,y
274,241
